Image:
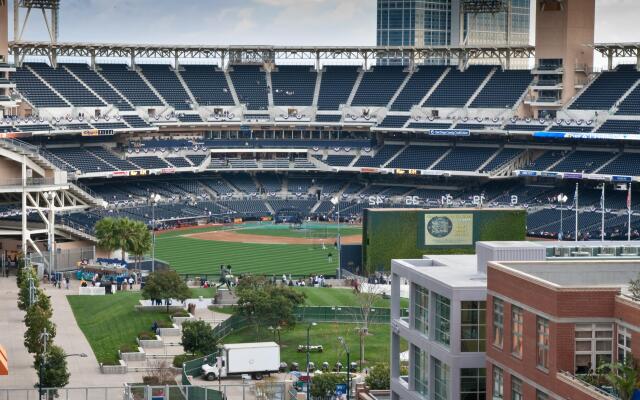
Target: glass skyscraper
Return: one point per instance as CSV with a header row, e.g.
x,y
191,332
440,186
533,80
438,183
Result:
x,y
438,23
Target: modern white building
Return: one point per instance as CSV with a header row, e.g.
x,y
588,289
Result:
x,y
445,332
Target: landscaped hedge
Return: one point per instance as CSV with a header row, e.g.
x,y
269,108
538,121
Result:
x,y
389,234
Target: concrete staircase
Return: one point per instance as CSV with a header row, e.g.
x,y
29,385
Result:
x,y
356,85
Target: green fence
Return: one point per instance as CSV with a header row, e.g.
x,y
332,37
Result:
x,y
344,314
193,368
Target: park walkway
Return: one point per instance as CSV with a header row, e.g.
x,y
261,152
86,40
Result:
x,y
84,371
21,372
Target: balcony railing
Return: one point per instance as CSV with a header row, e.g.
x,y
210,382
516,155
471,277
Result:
x,y
581,383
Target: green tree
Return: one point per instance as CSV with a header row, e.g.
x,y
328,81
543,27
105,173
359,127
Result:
x,y
55,373
379,377
140,243
165,285
324,385
266,304
37,320
26,275
108,235
624,377
198,337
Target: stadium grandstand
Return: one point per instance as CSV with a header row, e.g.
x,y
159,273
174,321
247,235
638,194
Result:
x,y
221,139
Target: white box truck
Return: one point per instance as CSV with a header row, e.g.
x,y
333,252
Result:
x,y
255,359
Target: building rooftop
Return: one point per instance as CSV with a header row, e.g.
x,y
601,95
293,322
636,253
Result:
x,y
575,274
456,271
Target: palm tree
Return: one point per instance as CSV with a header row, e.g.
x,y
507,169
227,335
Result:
x,y
107,234
141,243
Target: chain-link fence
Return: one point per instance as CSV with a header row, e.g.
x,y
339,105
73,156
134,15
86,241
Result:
x,y
64,259
264,390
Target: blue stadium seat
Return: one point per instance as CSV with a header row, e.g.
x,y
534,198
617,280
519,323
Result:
x,y
336,86
417,87
418,157
465,158
293,85
503,90
166,82
130,84
98,85
34,90
251,86
68,86
207,84
379,85
605,91
457,87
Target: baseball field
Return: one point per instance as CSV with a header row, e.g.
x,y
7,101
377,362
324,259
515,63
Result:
x,y
258,248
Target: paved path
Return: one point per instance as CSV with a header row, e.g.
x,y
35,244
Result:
x,y
84,371
21,372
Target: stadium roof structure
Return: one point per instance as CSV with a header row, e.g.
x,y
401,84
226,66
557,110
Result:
x,y
618,49
264,53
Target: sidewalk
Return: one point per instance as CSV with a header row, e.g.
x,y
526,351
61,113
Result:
x,y
21,372
84,371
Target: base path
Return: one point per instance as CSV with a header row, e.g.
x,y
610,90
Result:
x,y
237,237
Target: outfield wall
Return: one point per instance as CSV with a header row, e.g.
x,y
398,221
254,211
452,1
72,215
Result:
x,y
412,233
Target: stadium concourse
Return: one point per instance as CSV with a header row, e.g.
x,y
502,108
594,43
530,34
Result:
x,y
246,141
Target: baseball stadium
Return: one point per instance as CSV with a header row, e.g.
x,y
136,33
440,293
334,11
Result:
x,y
299,172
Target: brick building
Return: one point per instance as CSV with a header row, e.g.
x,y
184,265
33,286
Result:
x,y
550,322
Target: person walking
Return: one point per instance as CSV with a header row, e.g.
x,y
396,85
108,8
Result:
x,y
130,283
66,282
330,257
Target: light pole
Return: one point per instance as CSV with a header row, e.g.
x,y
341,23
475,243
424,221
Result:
x,y
561,198
153,199
346,349
44,336
308,360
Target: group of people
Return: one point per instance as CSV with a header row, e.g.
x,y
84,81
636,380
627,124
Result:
x,y
312,281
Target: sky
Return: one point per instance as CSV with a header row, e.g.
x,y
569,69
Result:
x,y
260,22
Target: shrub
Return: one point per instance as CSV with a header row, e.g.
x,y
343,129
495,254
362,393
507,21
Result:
x,y
146,335
180,313
165,324
128,348
183,358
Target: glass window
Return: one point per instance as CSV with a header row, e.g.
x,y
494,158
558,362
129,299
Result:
x,y
421,309
593,346
441,378
473,326
420,371
541,395
516,331
624,344
542,343
473,383
498,322
516,388
498,383
442,319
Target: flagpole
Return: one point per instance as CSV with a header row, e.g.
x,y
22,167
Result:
x,y
602,221
576,198
629,213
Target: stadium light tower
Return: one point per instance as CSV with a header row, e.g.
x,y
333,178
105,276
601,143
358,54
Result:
x,y
49,10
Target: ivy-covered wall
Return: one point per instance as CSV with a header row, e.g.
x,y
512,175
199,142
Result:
x,y
398,233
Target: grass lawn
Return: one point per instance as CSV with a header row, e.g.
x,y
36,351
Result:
x,y
109,322
326,334
206,293
328,231
339,297
196,256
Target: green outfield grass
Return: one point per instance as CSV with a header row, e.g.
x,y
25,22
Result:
x,y
197,256
315,232
326,334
